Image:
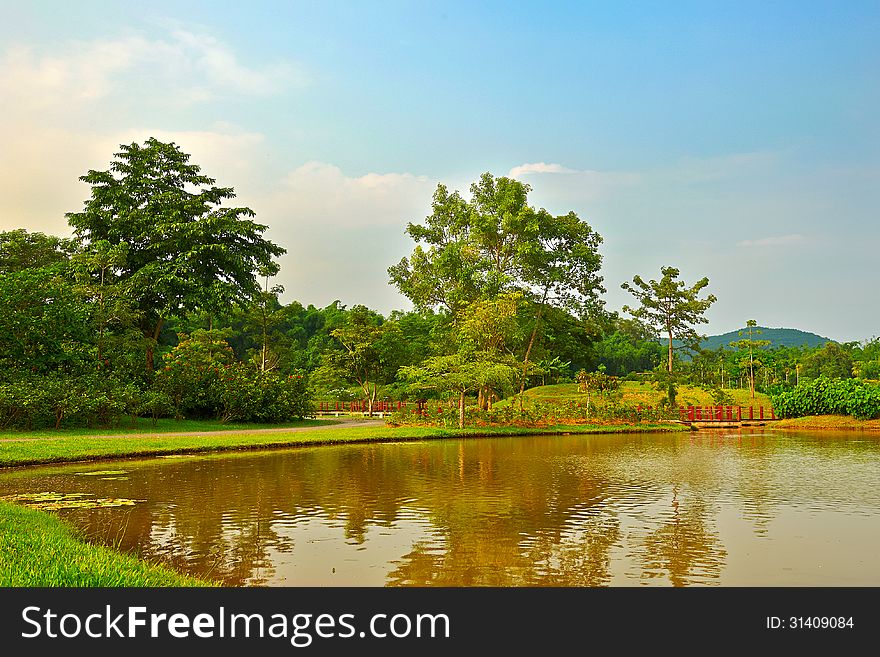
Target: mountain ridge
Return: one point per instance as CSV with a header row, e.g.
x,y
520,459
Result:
x,y
778,337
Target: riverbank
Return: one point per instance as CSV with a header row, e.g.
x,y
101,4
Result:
x,y
75,448
39,549
828,422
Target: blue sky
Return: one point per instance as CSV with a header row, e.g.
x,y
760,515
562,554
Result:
x,y
740,141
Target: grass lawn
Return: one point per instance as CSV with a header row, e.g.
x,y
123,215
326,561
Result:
x,y
84,448
636,392
144,425
38,549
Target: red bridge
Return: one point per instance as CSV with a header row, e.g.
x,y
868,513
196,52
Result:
x,y
726,414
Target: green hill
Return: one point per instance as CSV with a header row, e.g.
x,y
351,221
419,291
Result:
x,y
778,337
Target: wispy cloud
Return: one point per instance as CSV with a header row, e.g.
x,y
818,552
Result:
x,y
188,67
567,185
794,239
319,192
538,167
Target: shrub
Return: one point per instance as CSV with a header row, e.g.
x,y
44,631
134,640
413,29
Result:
x,y
246,394
825,396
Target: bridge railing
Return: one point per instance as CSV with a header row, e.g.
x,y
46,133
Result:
x,y
360,406
725,413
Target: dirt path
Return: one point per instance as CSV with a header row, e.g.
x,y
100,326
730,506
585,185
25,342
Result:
x,y
347,423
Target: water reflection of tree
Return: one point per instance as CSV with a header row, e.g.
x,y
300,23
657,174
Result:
x,y
504,512
683,547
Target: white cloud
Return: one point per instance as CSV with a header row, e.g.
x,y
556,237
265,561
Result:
x,y
182,67
538,167
563,187
321,192
776,241
39,175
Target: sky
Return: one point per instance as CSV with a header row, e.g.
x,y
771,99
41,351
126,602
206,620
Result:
x,y
738,141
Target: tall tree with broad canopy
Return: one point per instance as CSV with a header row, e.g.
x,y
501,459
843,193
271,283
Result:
x,y
497,243
186,251
670,307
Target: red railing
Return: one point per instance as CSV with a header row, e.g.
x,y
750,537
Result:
x,y
725,413
361,406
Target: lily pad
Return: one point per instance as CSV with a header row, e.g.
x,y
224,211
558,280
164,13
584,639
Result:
x,y
52,501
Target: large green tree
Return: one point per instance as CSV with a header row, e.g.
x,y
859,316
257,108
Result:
x,y
670,307
186,250
495,243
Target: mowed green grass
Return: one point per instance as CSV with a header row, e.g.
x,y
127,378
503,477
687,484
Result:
x,y
635,393
39,549
85,448
146,426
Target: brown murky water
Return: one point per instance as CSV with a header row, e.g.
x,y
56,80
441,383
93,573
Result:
x,y
711,508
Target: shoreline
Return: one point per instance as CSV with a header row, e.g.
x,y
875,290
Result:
x,y
827,422
78,449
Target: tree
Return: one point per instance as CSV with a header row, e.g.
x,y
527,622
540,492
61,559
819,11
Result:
x,y
459,373
671,307
20,249
833,361
487,329
750,344
186,252
44,323
368,353
497,243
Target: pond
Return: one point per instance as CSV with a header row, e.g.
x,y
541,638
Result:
x,y
729,508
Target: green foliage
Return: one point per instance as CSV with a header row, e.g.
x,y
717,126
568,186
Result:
x,y
184,250
832,360
670,307
497,242
825,396
720,397
44,322
190,373
628,346
20,250
30,400
597,382
201,378
247,394
369,355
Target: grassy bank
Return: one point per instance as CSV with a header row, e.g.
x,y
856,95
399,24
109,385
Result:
x,y
38,549
85,448
147,426
830,422
634,393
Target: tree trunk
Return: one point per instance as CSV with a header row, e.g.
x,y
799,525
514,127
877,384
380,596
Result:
x,y
522,383
155,339
669,365
751,368
461,410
